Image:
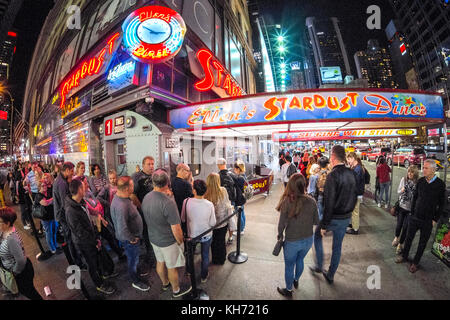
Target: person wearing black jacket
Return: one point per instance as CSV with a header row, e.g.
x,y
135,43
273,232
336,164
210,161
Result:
x,y
83,234
60,191
340,195
355,163
226,180
426,208
239,182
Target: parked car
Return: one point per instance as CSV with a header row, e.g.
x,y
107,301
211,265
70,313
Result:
x,y
407,157
363,151
378,152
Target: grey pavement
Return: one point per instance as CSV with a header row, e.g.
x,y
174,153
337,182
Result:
x,y
258,278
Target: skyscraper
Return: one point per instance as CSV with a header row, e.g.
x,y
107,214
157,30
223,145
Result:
x,y
327,44
7,49
375,65
426,26
402,65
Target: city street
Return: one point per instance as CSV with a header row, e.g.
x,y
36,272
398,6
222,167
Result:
x,y
258,278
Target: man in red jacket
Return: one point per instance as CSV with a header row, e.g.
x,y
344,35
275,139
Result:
x,y
383,174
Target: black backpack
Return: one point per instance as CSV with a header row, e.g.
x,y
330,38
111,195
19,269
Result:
x,y
227,182
291,170
366,176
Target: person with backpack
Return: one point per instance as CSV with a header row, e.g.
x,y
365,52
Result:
x,y
355,163
287,170
320,185
226,180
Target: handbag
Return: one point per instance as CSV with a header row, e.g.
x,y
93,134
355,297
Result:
x,y
248,191
278,246
38,211
9,281
395,209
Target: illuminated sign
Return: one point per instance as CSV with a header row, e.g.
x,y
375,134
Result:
x,y
311,106
108,127
3,115
223,79
120,70
331,74
119,124
73,105
295,65
341,134
153,34
85,69
403,48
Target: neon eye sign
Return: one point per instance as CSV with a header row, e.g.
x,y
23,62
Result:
x,y
153,34
224,79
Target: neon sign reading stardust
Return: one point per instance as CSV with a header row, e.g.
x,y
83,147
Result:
x,y
86,68
310,106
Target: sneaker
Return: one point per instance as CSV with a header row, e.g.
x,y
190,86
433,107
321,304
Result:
x,y
395,242
352,231
399,249
296,284
111,275
27,227
205,279
181,292
106,289
59,250
166,287
379,205
285,292
399,259
325,275
140,286
386,206
230,240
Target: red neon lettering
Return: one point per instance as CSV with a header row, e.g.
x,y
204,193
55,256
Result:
x,y
219,72
353,97
84,70
204,56
100,61
295,103
227,84
345,106
77,77
111,42
333,103
307,101
274,110
380,108
91,66
319,101
194,117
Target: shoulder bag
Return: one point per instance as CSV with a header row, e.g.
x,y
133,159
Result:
x,y
248,190
8,280
37,210
278,246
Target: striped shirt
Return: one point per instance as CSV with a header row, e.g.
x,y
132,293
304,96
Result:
x,y
12,253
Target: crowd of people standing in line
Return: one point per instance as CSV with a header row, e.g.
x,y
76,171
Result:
x,y
85,214
322,196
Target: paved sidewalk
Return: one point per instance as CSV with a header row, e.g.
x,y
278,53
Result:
x,y
262,273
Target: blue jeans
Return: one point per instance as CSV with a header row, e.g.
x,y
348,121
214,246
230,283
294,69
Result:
x,y
132,253
205,244
338,227
50,228
384,188
320,206
294,253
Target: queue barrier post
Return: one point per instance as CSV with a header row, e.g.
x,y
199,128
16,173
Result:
x,y
195,294
238,257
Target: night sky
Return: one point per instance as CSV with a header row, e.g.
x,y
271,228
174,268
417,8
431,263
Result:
x,y
290,14
28,25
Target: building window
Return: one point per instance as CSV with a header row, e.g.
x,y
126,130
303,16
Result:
x,y
161,77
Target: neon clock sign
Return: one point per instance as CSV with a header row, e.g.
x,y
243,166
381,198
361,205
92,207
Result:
x,y
153,34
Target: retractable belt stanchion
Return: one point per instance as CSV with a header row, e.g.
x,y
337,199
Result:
x,y
237,256
195,294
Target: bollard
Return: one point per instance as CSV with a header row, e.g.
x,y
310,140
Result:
x,y
237,256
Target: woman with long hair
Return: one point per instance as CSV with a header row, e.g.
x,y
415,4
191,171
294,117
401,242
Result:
x,y
97,181
222,207
405,190
298,215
